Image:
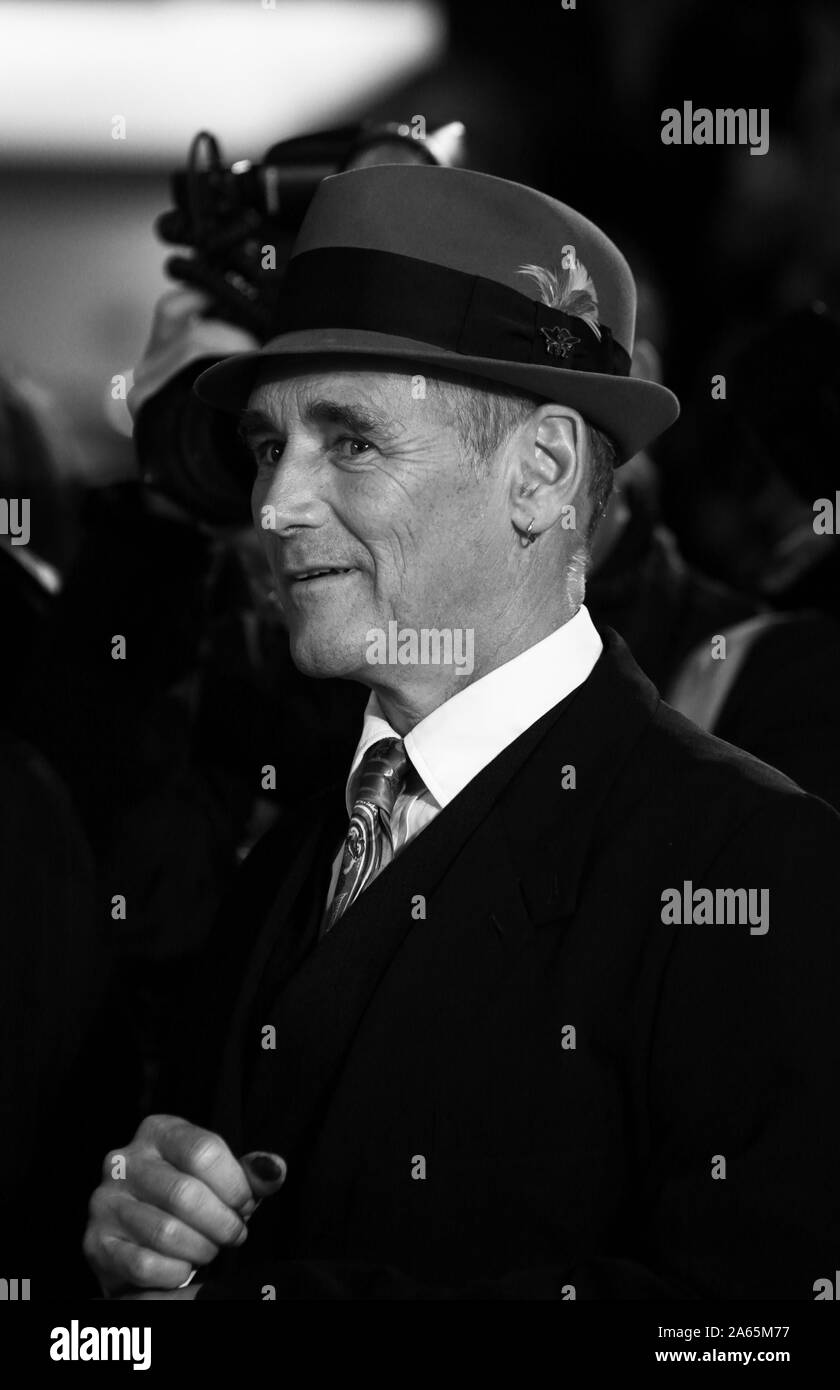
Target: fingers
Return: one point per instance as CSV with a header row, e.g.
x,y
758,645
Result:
x,y
158,1230
189,1200
169,1201
266,1172
121,1264
166,1204
202,1155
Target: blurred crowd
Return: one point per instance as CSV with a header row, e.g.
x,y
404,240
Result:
x,y
130,790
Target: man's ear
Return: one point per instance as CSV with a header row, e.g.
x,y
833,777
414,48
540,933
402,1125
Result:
x,y
548,469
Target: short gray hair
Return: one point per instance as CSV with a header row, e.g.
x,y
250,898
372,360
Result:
x,y
485,417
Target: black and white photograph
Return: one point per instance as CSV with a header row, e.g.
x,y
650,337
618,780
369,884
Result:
x,y
420,709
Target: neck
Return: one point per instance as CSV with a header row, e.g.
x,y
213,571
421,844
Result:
x,y
409,693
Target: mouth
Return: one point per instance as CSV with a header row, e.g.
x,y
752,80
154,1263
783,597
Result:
x,y
325,573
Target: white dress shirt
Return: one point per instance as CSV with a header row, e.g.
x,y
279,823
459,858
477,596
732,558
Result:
x,y
452,744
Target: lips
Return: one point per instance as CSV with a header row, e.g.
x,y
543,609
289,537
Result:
x,y
303,576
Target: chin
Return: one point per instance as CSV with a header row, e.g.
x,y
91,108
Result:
x,y
324,660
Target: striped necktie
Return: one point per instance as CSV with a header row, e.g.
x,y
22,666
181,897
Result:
x,y
368,845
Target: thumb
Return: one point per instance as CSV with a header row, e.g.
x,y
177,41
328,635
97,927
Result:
x,y
266,1172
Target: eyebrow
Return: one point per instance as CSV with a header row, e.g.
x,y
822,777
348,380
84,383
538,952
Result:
x,y
253,423
357,419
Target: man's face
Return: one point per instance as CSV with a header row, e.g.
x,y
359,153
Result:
x,y
369,482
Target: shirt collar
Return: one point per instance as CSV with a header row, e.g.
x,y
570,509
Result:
x,y
459,738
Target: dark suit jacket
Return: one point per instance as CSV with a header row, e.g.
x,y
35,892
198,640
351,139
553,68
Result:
x,y
551,1170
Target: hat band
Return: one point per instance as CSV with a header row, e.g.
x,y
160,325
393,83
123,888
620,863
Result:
x,y
382,292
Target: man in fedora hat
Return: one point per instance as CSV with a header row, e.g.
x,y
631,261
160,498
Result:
x,y
538,1001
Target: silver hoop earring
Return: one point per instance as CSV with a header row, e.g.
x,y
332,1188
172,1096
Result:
x,y
528,538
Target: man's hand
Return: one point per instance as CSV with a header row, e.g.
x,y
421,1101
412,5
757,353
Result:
x,y
168,1202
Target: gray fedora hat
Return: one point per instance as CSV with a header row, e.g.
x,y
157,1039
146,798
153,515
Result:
x,y
426,265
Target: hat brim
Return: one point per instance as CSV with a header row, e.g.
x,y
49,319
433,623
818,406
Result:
x,y
631,411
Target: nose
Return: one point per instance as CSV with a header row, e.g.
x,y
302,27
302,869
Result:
x,y
290,496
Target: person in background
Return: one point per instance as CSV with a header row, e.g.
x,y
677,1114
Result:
x,y
56,1027
744,472
764,676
